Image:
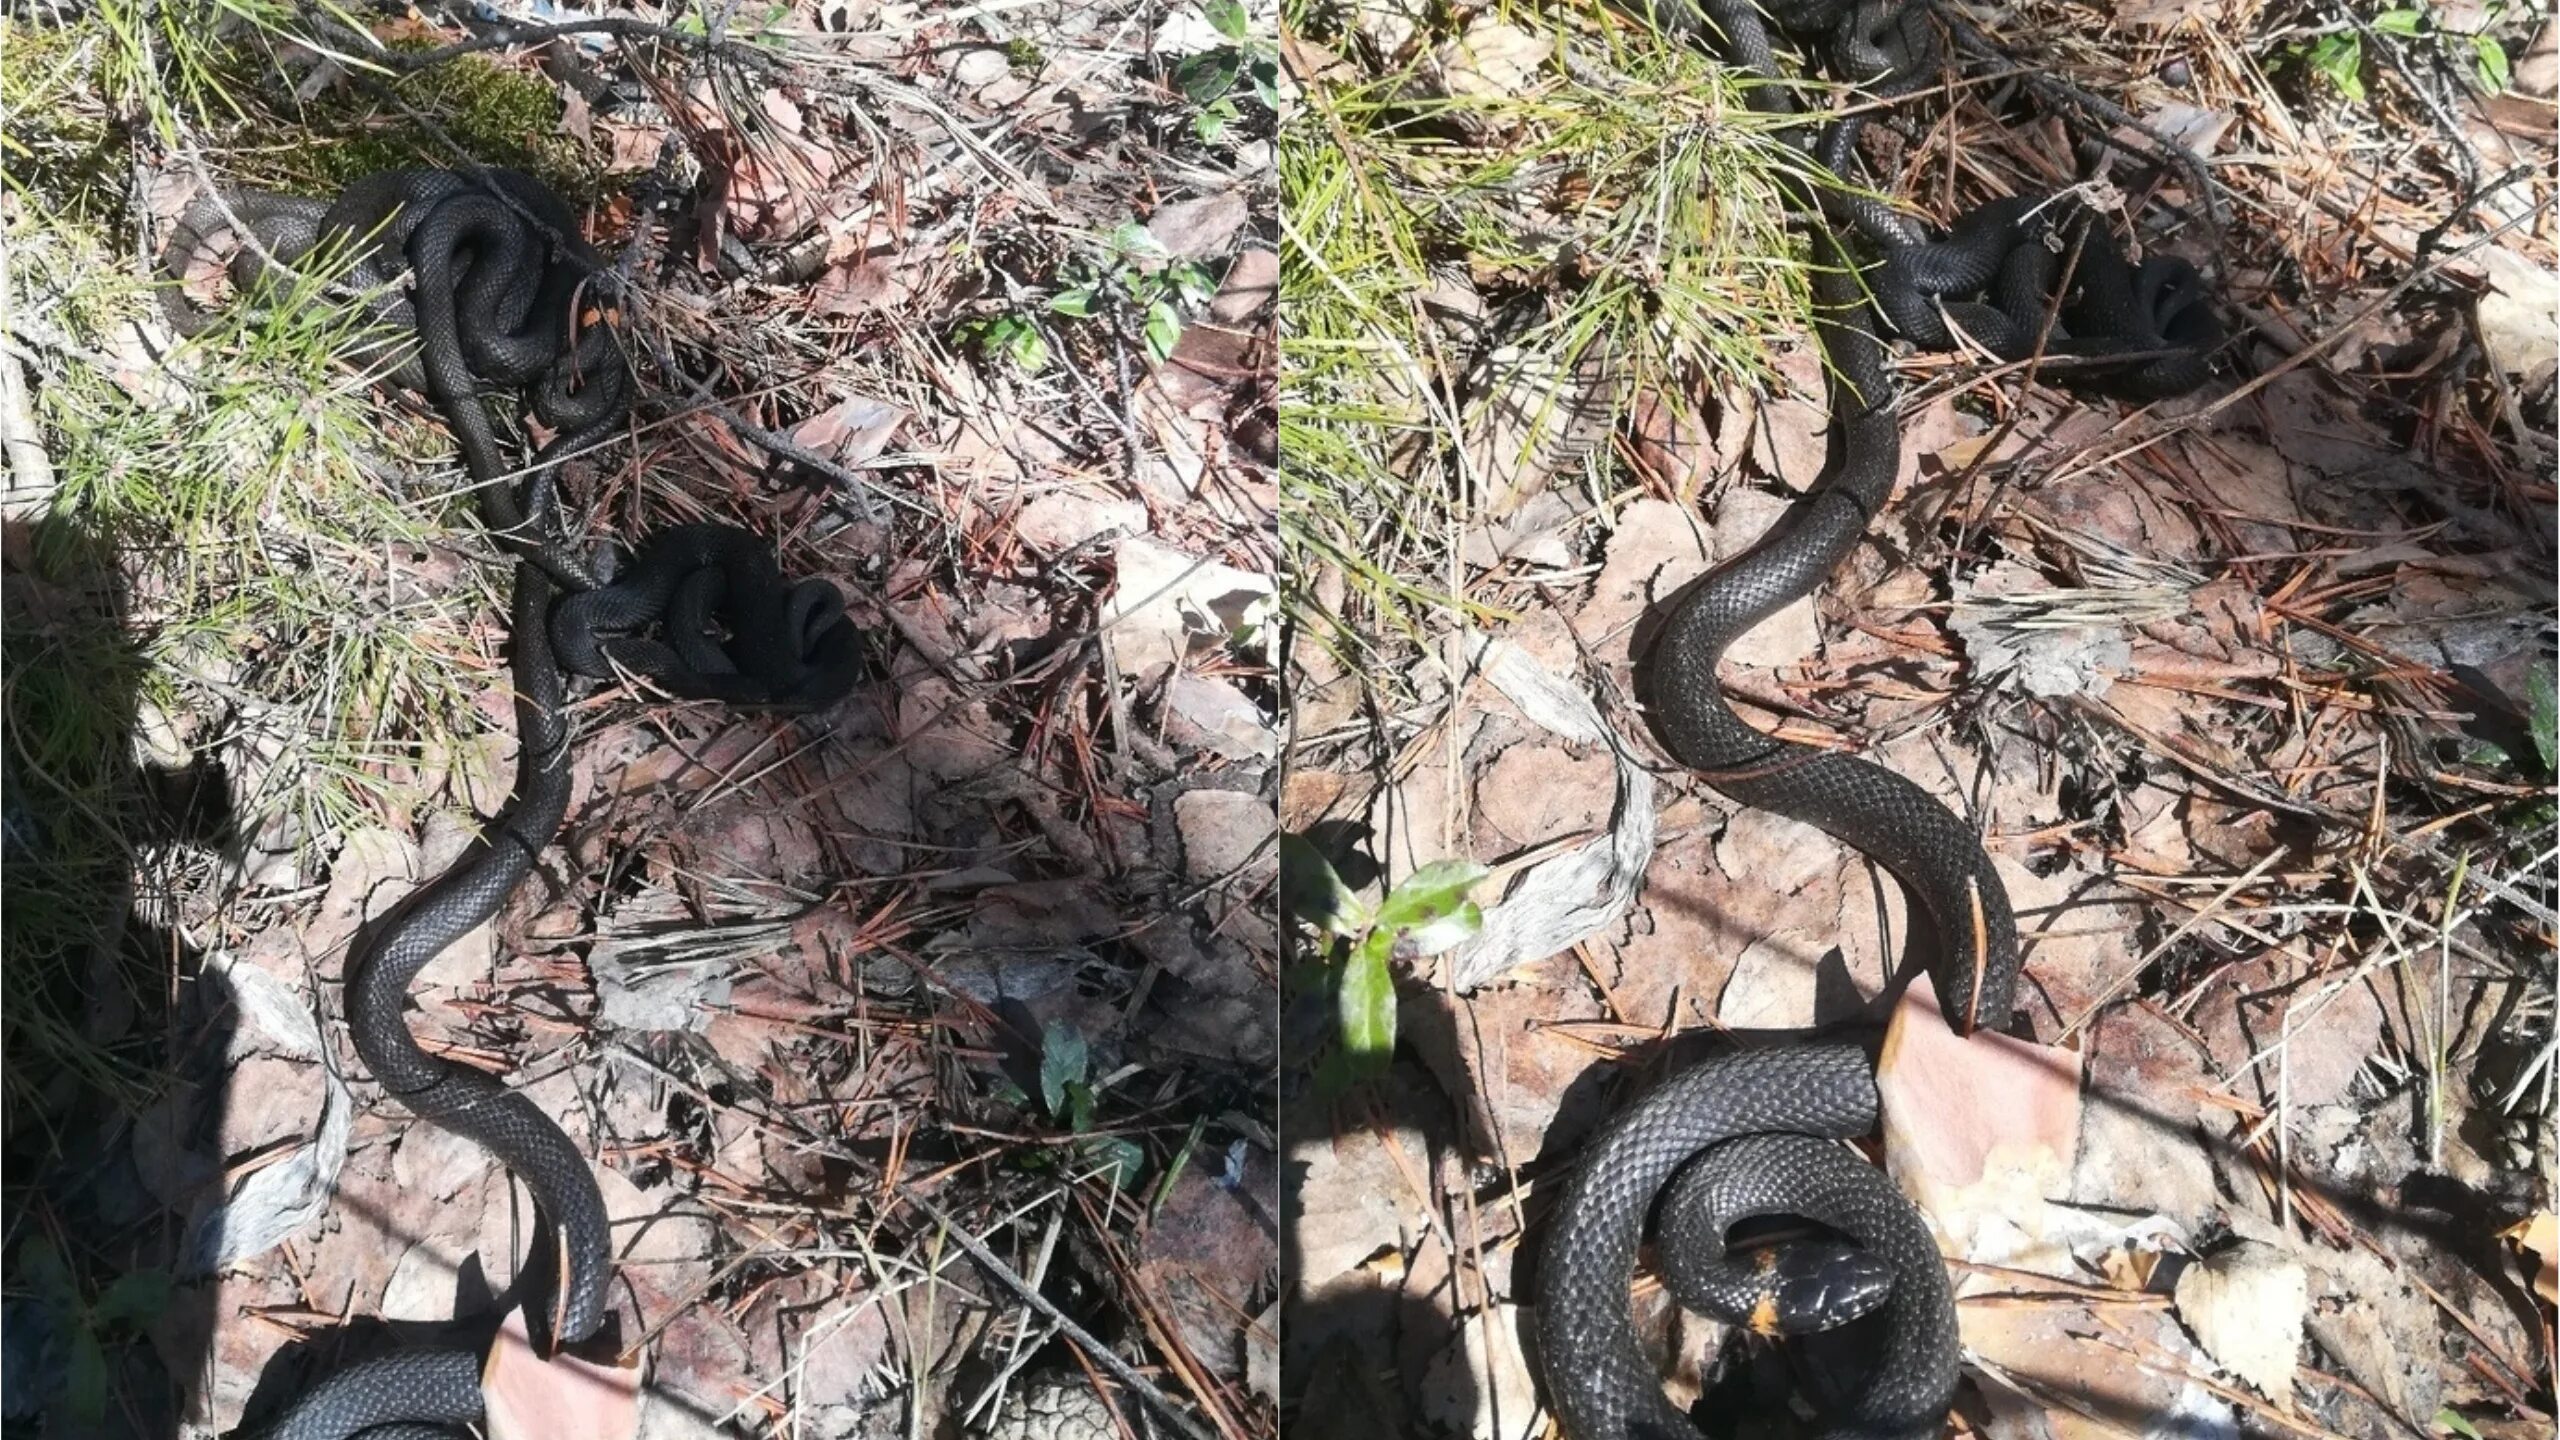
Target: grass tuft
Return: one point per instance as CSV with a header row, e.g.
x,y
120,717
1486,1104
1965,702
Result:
x,y
1625,184
220,572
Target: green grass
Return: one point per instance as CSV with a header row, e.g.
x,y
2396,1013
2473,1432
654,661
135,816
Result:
x,y
64,754
253,531
227,542
1640,159
214,74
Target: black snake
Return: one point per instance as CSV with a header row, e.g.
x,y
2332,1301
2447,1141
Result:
x,y
1767,1122
497,274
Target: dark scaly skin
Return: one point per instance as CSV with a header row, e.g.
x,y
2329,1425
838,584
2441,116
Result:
x,y
498,272
440,1389
1863,805
1598,1382
490,305
1912,1382
489,299
1800,1288
286,225
792,647
470,1102
2155,324
405,1395
498,277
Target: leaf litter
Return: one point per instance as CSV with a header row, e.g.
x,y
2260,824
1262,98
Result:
x,y
2240,689
782,980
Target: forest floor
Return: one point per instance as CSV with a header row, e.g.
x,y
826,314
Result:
x,y
2249,692
858,1014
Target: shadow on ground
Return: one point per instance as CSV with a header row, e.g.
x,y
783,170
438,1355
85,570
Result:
x,y
115,1044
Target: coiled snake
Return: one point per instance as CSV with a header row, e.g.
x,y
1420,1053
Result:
x,y
497,273
1766,1122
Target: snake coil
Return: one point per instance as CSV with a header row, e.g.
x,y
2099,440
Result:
x,y
1756,1133
498,277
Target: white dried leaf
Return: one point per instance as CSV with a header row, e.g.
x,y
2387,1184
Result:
x,y
276,1011
2520,314
2245,1307
274,1202
1493,61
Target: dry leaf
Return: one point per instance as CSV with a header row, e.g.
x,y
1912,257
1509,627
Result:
x,y
532,1399
2541,1235
1200,228
1479,1384
1493,60
854,430
1165,602
1978,1130
2520,314
2245,1306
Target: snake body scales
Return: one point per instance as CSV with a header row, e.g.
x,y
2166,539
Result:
x,y
497,274
1756,1132
495,282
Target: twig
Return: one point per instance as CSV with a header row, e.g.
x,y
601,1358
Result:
x,y
1029,1294
2339,332
866,496
2062,92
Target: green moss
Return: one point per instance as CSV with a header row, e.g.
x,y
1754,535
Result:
x,y
75,92
497,115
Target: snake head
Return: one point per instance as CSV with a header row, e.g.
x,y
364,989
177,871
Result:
x,y
1814,1285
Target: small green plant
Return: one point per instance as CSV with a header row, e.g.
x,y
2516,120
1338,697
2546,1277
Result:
x,y
2535,755
2544,720
1067,1093
1425,914
1213,79
126,1306
1008,337
764,30
1137,273
2542,764
1257,635
1131,272
2339,57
